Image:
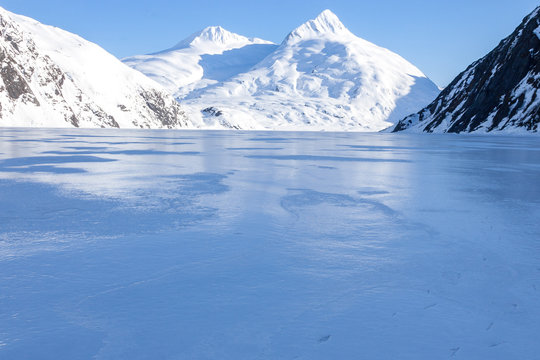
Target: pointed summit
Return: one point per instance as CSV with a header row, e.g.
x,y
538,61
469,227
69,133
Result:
x,y
326,24
216,37
328,21
213,34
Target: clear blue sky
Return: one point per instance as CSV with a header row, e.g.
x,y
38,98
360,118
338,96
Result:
x,y
440,37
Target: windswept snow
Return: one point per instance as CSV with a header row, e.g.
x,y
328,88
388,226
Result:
x,y
322,77
326,23
205,58
215,39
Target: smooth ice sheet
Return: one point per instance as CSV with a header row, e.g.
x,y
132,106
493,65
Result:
x,y
247,245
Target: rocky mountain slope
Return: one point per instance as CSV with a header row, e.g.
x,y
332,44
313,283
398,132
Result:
x,y
52,78
498,93
322,77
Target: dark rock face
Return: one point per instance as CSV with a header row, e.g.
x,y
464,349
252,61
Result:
x,y
171,116
212,111
13,80
15,84
497,93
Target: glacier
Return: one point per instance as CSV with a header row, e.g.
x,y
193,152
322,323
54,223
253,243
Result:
x,y
129,244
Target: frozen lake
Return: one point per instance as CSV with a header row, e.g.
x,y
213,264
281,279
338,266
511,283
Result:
x,y
238,245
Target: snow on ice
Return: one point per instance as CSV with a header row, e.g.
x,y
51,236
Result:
x,y
238,245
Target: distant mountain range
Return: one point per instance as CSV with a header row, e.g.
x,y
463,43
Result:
x,y
498,93
321,77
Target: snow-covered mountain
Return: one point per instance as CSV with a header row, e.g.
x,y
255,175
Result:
x,y
52,78
322,77
498,93
205,58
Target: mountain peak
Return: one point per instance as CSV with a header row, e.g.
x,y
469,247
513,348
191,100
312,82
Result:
x,y
328,18
216,37
216,34
327,23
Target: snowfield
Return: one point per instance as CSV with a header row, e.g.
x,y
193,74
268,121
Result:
x,y
124,244
321,77
205,58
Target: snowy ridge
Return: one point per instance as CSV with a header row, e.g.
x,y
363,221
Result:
x,y
204,58
498,93
218,38
53,78
321,77
326,24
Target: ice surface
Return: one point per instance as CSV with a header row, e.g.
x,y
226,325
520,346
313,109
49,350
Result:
x,y
238,245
